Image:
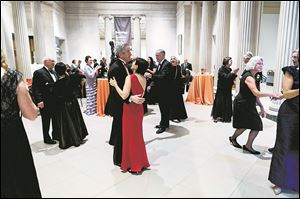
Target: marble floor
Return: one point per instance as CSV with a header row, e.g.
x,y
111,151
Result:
x,y
192,159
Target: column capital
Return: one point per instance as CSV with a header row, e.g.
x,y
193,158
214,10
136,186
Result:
x,y
136,17
107,17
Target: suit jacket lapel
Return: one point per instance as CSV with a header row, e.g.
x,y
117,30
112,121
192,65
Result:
x,y
48,73
162,65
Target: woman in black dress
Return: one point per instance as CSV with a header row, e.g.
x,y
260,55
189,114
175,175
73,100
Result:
x,y
177,110
222,108
150,95
18,174
69,125
284,171
245,115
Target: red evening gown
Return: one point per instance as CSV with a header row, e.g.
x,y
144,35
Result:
x,y
134,156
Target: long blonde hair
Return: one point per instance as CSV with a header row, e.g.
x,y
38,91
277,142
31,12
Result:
x,y
3,61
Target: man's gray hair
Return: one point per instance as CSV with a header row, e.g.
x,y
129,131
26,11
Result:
x,y
161,51
252,62
120,48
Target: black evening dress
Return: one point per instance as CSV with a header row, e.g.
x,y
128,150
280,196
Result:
x,y
68,121
284,171
18,174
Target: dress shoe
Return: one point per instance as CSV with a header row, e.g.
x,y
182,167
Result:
x,y
234,143
176,120
117,164
271,150
277,190
136,172
160,130
157,126
49,142
250,151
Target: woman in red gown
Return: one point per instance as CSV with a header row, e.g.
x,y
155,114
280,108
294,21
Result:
x,y
134,156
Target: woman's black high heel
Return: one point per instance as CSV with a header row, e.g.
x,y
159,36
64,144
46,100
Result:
x,y
234,143
250,151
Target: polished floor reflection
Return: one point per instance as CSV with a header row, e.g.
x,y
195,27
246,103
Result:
x,y
192,159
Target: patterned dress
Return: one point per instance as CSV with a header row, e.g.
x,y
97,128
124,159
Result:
x,y
91,90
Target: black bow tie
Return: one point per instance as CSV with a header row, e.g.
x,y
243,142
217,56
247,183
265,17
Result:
x,y
52,72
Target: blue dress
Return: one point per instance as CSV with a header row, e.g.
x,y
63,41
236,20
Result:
x,y
284,171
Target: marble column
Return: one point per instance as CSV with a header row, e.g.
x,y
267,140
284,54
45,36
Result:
x,y
3,42
187,33
137,36
246,10
48,25
222,37
38,32
21,38
250,13
195,33
108,36
206,36
234,30
287,41
6,38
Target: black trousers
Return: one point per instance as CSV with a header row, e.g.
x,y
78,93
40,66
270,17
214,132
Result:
x,y
164,107
47,115
116,138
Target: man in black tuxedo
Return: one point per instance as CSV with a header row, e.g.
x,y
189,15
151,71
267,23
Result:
x,y
42,84
163,82
186,65
186,69
114,104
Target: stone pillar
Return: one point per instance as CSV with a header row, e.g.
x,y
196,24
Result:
x,y
21,38
222,37
187,33
38,32
48,25
6,38
234,30
287,41
108,37
206,36
3,39
195,33
250,12
137,36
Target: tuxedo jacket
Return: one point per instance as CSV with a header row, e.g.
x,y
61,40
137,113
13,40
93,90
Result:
x,y
114,104
163,78
188,66
42,85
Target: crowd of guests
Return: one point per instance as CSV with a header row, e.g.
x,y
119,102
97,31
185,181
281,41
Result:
x,y
284,170
134,83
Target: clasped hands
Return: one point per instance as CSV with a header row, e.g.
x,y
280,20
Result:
x,y
276,96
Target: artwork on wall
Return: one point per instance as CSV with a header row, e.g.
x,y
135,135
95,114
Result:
x,y
180,44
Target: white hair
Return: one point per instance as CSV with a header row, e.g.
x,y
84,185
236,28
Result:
x,y
248,54
252,62
47,59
